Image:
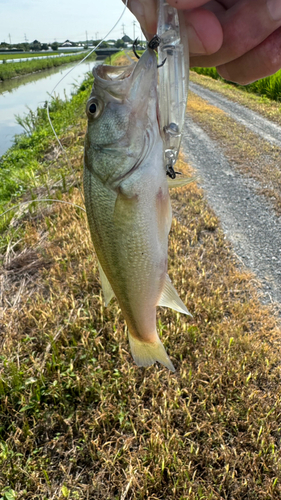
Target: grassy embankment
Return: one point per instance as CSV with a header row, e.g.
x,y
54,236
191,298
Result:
x,y
269,86
77,418
11,70
25,55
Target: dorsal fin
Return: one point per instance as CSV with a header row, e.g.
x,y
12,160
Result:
x,y
108,293
170,298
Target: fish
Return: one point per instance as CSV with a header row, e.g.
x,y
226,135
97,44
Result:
x,y
127,200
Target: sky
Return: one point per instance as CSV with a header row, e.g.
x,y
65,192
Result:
x,y
58,20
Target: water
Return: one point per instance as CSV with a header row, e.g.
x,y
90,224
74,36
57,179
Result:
x,y
31,91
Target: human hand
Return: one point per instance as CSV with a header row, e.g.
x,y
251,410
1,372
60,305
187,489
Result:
x,y
242,38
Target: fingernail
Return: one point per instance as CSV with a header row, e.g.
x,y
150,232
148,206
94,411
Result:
x,y
195,44
274,7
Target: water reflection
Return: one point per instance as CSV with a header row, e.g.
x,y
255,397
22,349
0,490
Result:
x,y
31,91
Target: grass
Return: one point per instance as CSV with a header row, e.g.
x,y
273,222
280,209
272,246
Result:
x,y
12,70
78,419
23,55
30,163
269,86
250,154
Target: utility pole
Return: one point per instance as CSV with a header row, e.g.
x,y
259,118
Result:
x,y
25,38
10,39
134,34
97,35
87,39
123,28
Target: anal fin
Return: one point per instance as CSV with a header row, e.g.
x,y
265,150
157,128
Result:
x,y
108,293
180,181
170,298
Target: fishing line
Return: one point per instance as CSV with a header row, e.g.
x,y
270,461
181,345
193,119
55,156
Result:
x,y
52,95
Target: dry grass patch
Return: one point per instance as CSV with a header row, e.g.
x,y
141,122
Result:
x,y
79,420
249,153
266,107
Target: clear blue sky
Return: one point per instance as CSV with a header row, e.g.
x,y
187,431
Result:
x,y
47,20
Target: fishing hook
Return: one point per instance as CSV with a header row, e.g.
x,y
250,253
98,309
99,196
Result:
x,y
134,48
153,44
162,63
170,171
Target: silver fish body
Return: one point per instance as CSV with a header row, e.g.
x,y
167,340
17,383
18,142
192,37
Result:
x,y
127,200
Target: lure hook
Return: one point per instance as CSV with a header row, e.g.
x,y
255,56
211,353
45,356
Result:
x,y
154,44
134,48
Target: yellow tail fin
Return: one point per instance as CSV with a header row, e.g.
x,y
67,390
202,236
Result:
x,y
146,353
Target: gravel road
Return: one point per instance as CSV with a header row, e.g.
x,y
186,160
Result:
x,y
266,129
247,218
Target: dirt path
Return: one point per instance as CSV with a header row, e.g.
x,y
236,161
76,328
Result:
x,y
246,215
266,129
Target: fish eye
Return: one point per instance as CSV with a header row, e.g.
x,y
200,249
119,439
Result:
x,y
94,107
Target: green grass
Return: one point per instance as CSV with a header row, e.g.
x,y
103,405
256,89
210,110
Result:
x,y
269,86
28,166
78,419
11,70
23,55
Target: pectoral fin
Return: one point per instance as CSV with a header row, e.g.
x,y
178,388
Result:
x,y
180,181
170,298
108,293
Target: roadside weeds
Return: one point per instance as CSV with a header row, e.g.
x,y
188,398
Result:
x,y
79,420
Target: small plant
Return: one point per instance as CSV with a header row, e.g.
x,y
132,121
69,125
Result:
x,y
269,86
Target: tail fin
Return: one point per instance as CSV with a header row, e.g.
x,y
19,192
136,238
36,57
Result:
x,y
146,353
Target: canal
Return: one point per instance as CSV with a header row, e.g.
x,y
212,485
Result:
x,y
31,91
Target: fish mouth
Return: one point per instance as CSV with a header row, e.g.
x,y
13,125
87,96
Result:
x,y
123,82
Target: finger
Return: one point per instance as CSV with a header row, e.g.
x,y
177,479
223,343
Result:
x,y
203,29
145,12
262,61
186,4
245,26
205,35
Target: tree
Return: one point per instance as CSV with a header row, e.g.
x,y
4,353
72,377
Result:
x,y
35,45
45,46
120,43
55,46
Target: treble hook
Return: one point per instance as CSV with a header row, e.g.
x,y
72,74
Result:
x,y
171,172
134,48
153,44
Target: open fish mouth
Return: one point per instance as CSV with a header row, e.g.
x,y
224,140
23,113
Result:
x,y
124,81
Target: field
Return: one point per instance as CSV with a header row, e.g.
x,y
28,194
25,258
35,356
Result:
x,y
12,70
24,55
269,86
78,419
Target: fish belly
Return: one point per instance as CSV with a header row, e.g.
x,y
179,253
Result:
x,y
129,228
